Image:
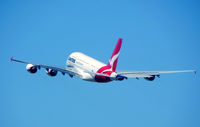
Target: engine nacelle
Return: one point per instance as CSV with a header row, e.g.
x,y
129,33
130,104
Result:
x,y
121,77
150,78
31,68
51,72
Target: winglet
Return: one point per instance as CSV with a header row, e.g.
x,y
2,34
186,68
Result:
x,y
11,59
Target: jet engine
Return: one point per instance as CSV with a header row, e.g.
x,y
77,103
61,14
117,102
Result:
x,y
150,78
51,72
31,68
121,77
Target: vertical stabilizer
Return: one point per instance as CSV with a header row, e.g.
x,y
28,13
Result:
x,y
113,60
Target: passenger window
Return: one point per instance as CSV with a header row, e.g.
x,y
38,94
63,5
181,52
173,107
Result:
x,y
72,60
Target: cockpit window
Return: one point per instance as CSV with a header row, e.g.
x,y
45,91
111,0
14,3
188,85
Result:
x,y
72,60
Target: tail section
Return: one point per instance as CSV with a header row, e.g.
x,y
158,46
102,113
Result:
x,y
113,60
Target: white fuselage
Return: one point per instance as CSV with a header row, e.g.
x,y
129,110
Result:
x,y
86,66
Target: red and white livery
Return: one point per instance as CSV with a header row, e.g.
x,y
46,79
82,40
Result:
x,y
89,69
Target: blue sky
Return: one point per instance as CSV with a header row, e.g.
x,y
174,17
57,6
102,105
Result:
x,y
157,35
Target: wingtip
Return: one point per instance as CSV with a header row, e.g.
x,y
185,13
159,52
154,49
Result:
x,y
11,59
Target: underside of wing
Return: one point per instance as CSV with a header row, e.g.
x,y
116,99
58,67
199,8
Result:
x,y
50,70
138,74
70,71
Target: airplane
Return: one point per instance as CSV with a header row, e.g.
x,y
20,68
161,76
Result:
x,y
90,69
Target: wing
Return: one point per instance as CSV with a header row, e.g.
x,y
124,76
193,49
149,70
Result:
x,y
148,74
70,71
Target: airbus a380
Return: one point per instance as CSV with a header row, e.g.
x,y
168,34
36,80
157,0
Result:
x,y
90,69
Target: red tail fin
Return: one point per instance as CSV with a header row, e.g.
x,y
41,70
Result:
x,y
113,60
